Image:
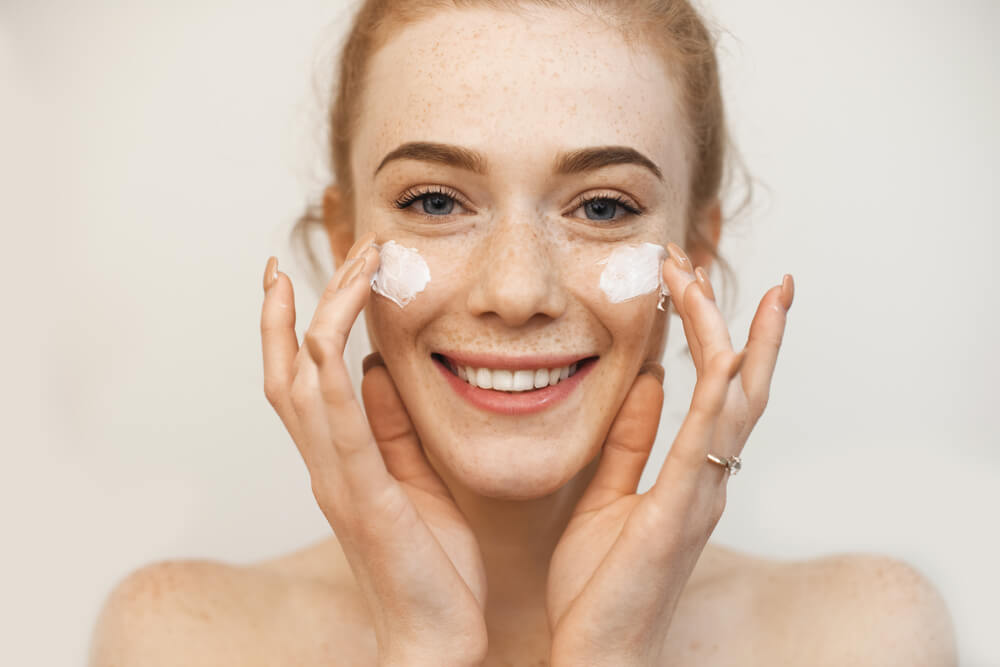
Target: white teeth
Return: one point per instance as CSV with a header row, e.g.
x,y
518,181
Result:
x,y
524,380
502,379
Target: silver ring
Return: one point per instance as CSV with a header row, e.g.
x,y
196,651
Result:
x,y
732,464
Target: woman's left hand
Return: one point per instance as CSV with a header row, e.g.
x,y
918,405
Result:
x,y
619,569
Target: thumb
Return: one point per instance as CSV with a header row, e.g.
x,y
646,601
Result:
x,y
390,424
629,442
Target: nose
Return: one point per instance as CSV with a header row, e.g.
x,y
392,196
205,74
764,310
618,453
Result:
x,y
518,278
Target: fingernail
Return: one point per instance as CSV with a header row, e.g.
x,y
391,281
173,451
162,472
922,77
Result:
x,y
270,273
706,286
679,257
371,361
787,291
352,275
654,369
360,245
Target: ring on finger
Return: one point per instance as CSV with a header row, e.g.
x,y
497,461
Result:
x,y
732,464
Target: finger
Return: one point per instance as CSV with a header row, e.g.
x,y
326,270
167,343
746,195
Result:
x,y
349,265
766,333
394,433
279,342
364,473
322,459
628,444
694,346
339,307
371,361
682,470
710,328
679,275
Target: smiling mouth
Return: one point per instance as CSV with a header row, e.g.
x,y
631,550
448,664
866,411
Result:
x,y
511,380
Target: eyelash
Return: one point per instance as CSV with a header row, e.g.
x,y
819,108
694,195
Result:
x,y
412,195
618,199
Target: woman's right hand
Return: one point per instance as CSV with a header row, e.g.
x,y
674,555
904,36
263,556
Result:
x,y
413,554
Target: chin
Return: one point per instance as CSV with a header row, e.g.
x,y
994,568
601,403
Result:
x,y
504,485
512,467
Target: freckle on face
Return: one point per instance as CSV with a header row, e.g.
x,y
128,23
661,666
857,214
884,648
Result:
x,y
490,96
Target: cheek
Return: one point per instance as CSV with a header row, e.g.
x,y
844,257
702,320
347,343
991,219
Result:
x,y
629,323
635,325
394,326
633,270
402,274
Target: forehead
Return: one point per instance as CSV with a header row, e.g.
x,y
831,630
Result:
x,y
518,86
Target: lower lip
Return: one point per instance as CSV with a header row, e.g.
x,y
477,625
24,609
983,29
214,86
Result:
x,y
515,403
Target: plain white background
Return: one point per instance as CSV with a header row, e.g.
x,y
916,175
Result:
x,y
153,157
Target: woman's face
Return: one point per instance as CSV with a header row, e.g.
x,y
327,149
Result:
x,y
516,105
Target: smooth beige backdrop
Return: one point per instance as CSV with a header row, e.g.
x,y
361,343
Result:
x,y
152,157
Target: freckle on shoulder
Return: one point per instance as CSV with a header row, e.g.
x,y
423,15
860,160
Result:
x,y
163,610
863,607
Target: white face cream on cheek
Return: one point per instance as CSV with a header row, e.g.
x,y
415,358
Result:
x,y
632,271
401,275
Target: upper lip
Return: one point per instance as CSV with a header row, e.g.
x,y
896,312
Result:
x,y
514,363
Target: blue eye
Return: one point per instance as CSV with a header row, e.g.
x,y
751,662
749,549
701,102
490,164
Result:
x,y
605,208
438,204
435,201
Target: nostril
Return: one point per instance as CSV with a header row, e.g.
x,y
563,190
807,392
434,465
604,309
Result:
x,y
517,286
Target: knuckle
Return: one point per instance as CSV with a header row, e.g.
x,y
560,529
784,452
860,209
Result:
x,y
301,395
648,521
273,391
332,287
393,506
718,507
690,294
323,493
689,458
319,490
706,403
349,448
721,361
758,402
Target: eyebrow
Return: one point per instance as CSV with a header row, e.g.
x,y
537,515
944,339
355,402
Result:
x,y
573,162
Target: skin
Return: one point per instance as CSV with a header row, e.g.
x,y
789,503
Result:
x,y
468,537
515,267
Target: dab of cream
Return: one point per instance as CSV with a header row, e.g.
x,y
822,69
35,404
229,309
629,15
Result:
x,y
632,271
401,275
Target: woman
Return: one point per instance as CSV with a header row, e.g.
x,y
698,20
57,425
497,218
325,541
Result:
x,y
512,149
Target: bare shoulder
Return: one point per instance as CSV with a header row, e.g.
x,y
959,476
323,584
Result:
x,y
171,612
201,612
855,609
